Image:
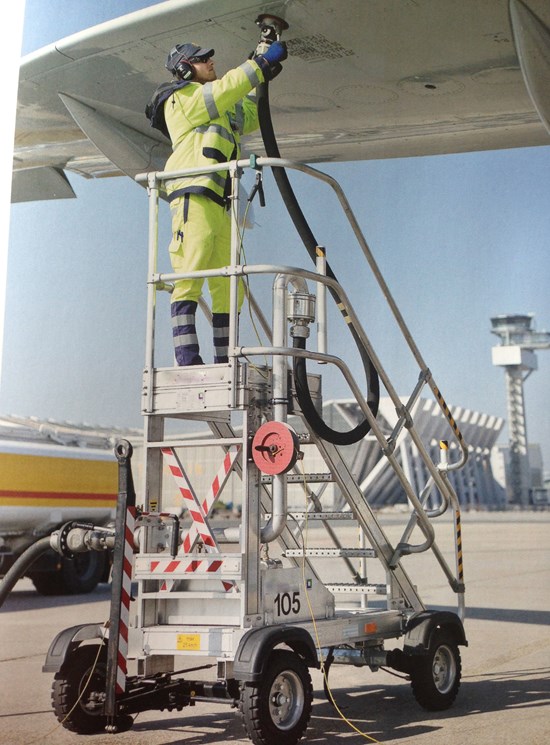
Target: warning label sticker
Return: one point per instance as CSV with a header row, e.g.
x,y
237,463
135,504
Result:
x,y
188,642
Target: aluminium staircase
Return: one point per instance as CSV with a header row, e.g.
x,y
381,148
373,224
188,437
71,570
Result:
x,y
236,583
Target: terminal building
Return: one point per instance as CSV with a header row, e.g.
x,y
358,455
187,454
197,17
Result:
x,y
475,484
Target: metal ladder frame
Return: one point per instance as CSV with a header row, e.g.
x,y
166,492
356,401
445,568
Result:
x,y
403,596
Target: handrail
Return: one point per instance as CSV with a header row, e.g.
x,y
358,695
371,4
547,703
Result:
x,y
328,281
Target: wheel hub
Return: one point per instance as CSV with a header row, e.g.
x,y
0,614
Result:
x,y
444,669
280,700
286,700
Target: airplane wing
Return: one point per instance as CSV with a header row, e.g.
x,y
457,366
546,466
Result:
x,y
376,79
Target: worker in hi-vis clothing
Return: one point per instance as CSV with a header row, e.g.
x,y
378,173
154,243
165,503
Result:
x,y
205,117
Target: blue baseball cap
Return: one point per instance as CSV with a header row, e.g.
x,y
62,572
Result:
x,y
185,53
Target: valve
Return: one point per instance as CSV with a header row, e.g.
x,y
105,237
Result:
x,y
275,448
271,29
77,538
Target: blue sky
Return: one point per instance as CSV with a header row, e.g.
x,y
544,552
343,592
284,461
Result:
x,y
460,238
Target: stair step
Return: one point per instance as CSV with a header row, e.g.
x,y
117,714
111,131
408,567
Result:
x,y
323,516
219,595
369,553
344,588
300,478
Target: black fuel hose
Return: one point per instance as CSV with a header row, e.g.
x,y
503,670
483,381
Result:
x,y
19,567
308,239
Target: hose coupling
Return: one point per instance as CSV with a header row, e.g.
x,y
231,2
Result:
x,y
300,313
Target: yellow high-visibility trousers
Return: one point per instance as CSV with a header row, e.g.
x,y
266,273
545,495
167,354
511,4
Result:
x,y
201,239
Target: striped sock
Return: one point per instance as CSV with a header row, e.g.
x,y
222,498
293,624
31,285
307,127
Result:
x,y
184,333
220,327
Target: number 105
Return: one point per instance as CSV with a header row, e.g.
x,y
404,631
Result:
x,y
287,603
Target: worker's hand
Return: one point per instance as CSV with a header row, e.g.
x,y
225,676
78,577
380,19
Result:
x,y
276,52
269,61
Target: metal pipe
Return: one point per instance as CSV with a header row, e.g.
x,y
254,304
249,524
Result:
x,y
153,189
403,547
321,264
234,282
277,522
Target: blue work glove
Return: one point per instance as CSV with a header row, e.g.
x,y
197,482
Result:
x,y
269,61
276,52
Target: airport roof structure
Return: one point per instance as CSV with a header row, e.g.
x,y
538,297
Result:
x,y
474,484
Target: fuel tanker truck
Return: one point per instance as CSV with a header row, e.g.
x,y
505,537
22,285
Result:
x,y
50,474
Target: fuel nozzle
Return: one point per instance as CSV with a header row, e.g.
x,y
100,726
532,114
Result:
x,y
271,28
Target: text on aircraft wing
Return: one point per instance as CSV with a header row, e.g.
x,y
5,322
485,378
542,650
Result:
x,y
362,80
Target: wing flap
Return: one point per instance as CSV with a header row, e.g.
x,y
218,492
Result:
x,y
36,184
128,149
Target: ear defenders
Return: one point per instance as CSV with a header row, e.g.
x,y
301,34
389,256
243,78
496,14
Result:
x,y
184,69
181,57
178,62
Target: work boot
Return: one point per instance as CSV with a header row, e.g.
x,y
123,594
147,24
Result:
x,y
184,333
220,328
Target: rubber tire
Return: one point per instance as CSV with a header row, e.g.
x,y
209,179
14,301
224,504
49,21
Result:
x,y
257,709
435,677
77,576
68,684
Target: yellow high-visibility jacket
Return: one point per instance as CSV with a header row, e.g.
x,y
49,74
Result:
x,y
205,123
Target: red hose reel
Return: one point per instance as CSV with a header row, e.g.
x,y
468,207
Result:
x,y
275,448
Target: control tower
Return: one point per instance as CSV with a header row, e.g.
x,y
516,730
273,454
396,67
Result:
x,y
516,354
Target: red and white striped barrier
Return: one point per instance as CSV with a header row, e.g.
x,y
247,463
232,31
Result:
x,y
220,480
200,529
122,665
147,568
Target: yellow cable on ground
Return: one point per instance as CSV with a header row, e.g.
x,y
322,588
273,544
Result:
x,y
317,640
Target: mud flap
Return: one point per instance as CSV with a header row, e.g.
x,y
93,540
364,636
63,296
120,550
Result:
x,y
419,630
257,644
66,641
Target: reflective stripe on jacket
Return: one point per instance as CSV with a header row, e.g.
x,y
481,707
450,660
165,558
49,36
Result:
x,y
205,122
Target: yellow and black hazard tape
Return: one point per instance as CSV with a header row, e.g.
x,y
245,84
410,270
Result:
x,y
459,561
448,414
344,311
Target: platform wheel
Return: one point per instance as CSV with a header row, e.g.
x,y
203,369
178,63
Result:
x,y
276,710
435,677
78,692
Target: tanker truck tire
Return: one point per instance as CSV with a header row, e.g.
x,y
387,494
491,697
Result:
x,y
76,576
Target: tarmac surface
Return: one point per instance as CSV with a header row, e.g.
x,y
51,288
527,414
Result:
x,y
504,697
